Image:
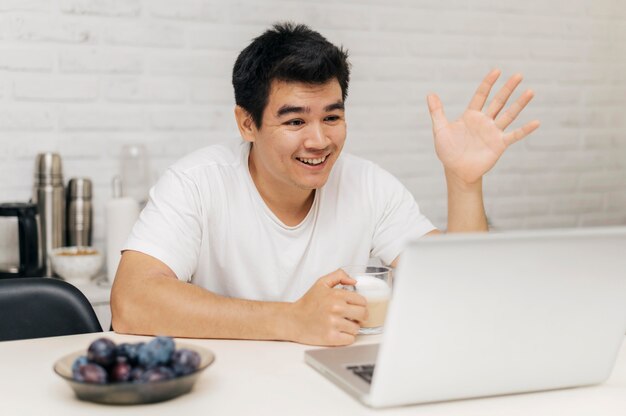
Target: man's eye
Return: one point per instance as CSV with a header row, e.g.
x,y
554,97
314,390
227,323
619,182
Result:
x,y
332,118
296,122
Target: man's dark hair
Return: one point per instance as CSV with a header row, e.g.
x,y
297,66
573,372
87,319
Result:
x,y
286,52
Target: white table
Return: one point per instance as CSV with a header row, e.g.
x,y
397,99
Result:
x,y
263,378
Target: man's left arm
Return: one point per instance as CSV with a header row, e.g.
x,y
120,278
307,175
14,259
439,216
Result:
x,y
466,211
470,146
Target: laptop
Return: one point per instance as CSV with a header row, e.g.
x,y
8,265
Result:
x,y
475,315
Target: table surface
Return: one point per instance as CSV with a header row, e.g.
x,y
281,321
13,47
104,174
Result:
x,y
258,377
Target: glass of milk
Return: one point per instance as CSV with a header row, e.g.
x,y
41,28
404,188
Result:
x,y
374,284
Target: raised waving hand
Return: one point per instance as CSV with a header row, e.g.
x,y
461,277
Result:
x,y
470,146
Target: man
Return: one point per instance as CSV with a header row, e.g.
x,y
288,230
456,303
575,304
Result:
x,y
260,228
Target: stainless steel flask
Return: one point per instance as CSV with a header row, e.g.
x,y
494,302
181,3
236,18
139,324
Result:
x,y
79,212
49,195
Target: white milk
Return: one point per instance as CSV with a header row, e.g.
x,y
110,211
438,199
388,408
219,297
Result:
x,y
372,288
377,293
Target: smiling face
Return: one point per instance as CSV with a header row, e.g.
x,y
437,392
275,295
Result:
x,y
301,136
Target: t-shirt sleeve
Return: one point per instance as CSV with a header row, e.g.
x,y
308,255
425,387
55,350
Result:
x,y
170,226
397,216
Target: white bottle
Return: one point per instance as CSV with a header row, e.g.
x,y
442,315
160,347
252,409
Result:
x,y
121,215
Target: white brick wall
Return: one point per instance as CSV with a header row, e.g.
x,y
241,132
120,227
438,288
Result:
x,y
84,77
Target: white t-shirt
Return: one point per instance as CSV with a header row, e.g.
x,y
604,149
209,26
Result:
x,y
207,221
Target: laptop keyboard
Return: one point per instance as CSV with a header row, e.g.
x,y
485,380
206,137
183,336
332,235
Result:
x,y
365,371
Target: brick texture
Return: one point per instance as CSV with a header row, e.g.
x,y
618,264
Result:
x,y
85,77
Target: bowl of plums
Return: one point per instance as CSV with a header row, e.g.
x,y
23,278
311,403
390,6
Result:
x,y
133,373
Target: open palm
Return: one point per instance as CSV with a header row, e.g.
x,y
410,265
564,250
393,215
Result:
x,y
470,146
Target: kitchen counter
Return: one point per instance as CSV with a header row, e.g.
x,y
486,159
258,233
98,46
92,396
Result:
x,y
265,378
98,292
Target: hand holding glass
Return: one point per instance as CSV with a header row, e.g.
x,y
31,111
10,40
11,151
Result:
x,y
374,284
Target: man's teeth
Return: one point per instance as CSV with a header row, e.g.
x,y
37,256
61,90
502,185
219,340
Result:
x,y
312,161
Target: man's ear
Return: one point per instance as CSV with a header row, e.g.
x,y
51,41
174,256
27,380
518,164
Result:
x,y
246,125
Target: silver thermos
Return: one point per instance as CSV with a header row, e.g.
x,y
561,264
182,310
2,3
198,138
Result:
x,y
79,212
49,195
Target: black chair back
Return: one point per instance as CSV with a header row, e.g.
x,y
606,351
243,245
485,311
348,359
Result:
x,y
40,307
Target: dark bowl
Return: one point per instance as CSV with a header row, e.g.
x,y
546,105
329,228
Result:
x,y
133,393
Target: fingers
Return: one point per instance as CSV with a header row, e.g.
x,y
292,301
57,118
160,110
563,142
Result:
x,y
436,112
505,119
342,338
349,305
481,94
349,327
354,298
503,95
520,133
355,313
335,278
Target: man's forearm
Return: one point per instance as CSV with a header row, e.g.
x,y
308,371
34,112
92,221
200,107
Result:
x,y
148,299
166,306
466,211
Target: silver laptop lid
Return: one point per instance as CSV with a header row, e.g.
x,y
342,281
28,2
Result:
x,y
489,314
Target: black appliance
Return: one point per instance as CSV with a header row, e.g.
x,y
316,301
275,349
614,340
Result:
x,y
30,264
